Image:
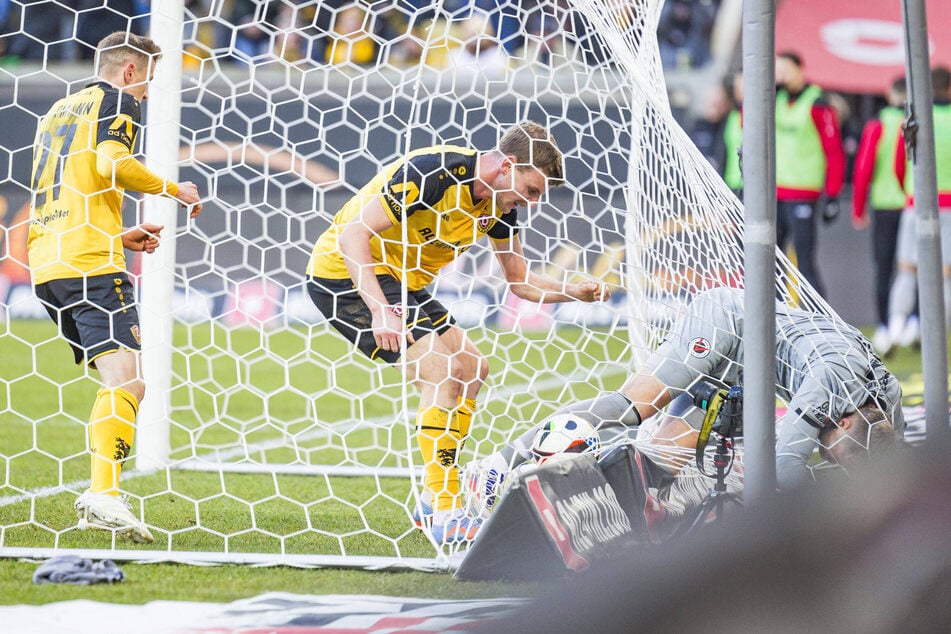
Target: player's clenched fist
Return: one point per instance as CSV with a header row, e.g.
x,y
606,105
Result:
x,y
590,291
188,196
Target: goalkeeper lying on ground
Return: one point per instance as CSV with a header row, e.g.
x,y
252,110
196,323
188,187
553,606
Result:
x,y
670,485
841,398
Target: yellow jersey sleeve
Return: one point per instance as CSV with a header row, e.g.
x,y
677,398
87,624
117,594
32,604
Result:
x,y
114,157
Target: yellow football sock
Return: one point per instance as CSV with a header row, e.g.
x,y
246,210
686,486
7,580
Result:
x,y
111,432
439,445
464,415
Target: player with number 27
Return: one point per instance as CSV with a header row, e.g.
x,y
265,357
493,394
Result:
x,y
82,165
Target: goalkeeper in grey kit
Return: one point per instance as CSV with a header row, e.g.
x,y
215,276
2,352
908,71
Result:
x,y
841,398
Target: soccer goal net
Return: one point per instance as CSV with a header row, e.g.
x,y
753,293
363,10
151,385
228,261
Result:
x,y
265,437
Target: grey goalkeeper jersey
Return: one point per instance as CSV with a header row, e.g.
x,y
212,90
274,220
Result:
x,y
825,369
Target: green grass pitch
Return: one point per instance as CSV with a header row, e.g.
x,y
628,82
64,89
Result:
x,y
277,397
287,396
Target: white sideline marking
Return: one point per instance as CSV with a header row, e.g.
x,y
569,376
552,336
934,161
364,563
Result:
x,y
269,612
213,461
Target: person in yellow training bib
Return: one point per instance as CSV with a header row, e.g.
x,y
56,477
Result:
x,y
903,326
810,164
82,164
875,184
415,217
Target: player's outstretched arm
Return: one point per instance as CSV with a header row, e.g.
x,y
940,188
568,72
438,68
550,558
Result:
x,y
541,288
114,161
589,291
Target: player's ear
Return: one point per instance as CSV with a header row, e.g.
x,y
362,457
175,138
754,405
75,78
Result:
x,y
508,163
128,72
845,423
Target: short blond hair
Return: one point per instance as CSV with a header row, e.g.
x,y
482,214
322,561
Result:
x,y
118,47
532,145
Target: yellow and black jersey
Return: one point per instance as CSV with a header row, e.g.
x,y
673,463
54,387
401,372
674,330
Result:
x,y
431,191
77,205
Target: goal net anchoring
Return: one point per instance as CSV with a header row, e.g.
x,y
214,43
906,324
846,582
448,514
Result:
x,y
265,438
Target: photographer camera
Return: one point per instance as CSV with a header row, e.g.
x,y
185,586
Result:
x,y
723,415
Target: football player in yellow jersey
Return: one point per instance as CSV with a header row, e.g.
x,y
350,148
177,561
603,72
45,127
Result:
x,y
82,164
442,200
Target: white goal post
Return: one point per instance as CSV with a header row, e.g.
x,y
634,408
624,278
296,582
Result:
x,y
264,437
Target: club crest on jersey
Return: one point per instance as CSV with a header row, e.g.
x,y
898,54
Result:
x,y
484,222
699,347
136,334
397,309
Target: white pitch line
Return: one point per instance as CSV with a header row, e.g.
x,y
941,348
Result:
x,y
327,429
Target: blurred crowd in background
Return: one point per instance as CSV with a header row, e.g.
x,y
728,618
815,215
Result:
x,y
359,32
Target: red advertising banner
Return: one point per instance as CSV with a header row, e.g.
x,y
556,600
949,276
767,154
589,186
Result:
x,y
857,45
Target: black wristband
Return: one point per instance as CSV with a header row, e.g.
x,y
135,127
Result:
x,y
630,404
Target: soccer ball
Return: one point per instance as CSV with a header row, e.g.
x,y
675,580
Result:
x,y
564,435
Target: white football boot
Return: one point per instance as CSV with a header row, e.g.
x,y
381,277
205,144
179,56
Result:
x,y
113,513
454,527
911,334
882,341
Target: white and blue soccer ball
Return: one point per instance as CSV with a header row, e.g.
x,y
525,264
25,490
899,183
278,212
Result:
x,y
564,436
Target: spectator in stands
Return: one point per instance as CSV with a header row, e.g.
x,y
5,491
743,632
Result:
x,y
199,34
876,185
409,28
810,163
310,29
506,18
733,137
398,30
708,132
40,30
545,28
97,19
447,36
6,29
684,33
479,48
902,327
255,27
351,41
415,31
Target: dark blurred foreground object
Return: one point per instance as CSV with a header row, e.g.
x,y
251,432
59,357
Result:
x,y
868,553
75,569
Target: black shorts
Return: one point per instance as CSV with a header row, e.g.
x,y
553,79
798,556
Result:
x,y
342,305
96,314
